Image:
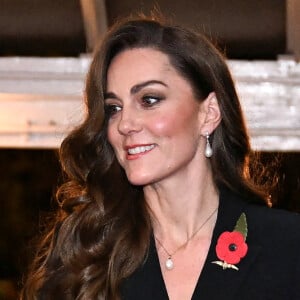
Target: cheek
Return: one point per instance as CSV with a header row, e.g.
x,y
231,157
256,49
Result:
x,y
163,126
174,124
166,124
112,136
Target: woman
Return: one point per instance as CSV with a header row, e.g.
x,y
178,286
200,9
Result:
x,y
158,203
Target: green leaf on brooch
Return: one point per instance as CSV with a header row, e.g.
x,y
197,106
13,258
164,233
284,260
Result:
x,y
241,225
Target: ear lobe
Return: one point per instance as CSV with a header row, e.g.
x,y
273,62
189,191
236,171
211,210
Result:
x,y
212,114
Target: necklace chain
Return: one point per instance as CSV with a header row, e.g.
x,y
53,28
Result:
x,y
169,262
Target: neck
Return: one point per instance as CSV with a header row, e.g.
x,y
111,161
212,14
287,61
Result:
x,y
178,210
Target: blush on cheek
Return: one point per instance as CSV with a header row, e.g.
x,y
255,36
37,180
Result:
x,y
164,126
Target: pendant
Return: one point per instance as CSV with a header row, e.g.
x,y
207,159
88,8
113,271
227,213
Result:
x,y
169,263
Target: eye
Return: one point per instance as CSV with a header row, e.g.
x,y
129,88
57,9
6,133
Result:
x,y
150,100
112,109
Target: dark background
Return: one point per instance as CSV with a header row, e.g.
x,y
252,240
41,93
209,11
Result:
x,y
244,29
28,182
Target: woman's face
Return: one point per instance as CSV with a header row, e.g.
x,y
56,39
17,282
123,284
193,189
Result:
x,y
155,121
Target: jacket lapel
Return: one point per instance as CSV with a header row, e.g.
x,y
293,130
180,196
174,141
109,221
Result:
x,y
146,282
214,282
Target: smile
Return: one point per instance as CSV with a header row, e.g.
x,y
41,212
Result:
x,y
140,149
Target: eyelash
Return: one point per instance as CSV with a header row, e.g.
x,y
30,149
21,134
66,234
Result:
x,y
147,100
111,109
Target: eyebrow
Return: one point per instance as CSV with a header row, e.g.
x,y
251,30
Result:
x,y
136,88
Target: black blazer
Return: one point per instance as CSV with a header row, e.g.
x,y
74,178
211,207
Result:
x,y
269,271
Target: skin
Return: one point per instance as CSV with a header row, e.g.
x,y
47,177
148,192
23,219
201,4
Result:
x,y
157,129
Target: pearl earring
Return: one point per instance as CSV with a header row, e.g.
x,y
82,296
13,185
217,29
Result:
x,y
208,149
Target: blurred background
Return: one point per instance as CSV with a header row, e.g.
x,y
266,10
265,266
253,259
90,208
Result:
x,y
45,49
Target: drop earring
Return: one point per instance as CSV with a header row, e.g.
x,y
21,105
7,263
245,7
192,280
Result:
x,y
208,149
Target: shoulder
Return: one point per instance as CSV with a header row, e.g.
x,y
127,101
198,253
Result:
x,y
273,223
277,233
273,241
265,225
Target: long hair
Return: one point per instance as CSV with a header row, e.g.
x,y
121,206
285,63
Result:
x,y
102,230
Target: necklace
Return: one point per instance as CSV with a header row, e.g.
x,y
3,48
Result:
x,y
169,262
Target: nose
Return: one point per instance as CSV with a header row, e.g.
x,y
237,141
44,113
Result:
x,y
129,122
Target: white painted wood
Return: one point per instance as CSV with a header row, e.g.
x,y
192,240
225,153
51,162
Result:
x,y
43,75
37,121
270,96
41,100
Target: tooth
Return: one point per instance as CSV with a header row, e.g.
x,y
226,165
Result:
x,y
140,149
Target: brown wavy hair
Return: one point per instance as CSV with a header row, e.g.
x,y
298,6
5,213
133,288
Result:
x,y
102,229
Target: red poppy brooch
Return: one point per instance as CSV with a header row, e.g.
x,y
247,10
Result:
x,y
231,246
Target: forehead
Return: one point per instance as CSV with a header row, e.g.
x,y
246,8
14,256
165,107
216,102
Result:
x,y
144,55
143,63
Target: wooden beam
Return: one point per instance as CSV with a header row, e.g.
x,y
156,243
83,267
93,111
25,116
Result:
x,y
37,121
293,27
41,101
95,21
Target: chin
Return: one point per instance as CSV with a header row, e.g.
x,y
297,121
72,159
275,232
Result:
x,y
138,179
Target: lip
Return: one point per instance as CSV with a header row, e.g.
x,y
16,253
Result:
x,y
138,150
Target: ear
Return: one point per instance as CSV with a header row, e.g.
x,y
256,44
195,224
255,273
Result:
x,y
212,114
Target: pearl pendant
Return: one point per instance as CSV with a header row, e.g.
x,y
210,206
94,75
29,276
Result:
x,y
208,150
169,264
